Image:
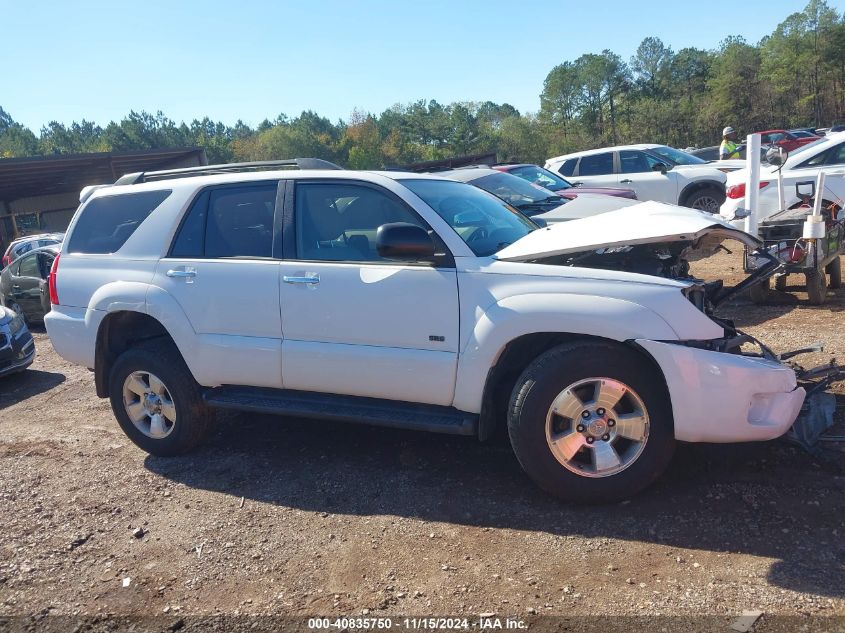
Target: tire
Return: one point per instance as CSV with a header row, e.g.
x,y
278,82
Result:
x,y
816,287
759,293
584,366
780,283
707,199
834,269
158,359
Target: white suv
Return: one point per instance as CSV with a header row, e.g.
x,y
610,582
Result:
x,y
412,301
654,172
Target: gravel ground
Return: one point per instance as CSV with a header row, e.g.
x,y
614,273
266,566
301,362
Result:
x,y
294,517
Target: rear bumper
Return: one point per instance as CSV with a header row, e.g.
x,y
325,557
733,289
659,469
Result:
x,y
73,333
17,354
719,397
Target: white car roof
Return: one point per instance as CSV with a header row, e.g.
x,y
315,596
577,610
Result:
x,y
602,150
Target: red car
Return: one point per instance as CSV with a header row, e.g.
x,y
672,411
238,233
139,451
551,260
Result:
x,y
786,140
553,182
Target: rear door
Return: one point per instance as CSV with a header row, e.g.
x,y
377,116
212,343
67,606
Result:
x,y
596,170
221,271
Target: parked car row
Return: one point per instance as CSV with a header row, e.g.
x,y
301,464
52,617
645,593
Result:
x,y
799,171
25,244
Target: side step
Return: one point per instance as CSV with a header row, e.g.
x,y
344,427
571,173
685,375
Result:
x,y
308,404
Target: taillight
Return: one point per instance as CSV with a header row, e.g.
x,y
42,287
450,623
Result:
x,y
738,191
51,281
6,260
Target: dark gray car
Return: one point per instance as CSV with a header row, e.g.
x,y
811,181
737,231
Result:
x,y
23,284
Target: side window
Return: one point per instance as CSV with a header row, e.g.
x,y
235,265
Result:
x,y
107,222
568,167
190,242
836,155
634,162
228,222
822,157
338,221
29,266
596,165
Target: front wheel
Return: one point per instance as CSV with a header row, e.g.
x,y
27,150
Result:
x,y
591,422
156,400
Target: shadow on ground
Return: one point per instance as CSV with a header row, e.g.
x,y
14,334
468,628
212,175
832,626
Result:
x,y
18,387
768,500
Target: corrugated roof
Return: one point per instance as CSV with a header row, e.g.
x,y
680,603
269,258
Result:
x,y
43,175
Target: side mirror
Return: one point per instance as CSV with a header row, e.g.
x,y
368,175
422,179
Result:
x,y
661,167
404,242
776,156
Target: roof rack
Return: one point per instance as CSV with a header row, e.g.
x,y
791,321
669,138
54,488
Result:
x,y
204,170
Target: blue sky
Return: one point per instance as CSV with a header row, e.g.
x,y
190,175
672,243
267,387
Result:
x,y
254,59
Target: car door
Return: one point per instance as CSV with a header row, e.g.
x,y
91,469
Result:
x,y
221,271
26,286
596,170
636,171
353,322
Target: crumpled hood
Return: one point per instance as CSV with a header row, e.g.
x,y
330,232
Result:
x,y
644,223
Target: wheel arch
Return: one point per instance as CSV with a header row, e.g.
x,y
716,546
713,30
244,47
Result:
x,y
699,185
119,331
515,357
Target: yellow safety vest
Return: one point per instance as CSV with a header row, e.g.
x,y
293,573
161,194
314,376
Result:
x,y
728,149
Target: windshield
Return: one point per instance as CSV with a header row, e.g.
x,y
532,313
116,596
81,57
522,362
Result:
x,y
483,221
516,191
676,156
542,177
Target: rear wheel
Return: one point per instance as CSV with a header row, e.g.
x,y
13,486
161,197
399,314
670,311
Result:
x,y
156,400
591,422
816,287
834,269
708,199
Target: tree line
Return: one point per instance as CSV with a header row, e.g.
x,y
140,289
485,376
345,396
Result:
x,y
794,77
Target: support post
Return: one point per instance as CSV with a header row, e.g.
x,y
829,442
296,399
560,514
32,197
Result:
x,y
752,182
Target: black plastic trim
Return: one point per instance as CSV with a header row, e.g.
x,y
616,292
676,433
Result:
x,y
373,411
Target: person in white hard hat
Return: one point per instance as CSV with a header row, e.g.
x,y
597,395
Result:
x,y
728,148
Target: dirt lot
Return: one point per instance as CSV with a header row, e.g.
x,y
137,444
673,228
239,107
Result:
x,y
281,516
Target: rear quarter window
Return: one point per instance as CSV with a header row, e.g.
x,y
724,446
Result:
x,y
568,167
107,222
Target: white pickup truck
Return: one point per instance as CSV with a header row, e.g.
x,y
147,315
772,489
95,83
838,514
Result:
x,y
411,301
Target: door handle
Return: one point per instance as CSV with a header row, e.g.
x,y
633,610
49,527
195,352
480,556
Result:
x,y
181,273
310,279
577,184
626,181
16,287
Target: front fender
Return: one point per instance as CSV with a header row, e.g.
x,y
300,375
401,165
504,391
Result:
x,y
516,316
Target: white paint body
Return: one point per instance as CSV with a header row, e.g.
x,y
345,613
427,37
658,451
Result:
x,y
649,185
366,329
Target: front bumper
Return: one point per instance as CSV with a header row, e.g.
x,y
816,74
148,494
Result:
x,y
16,351
721,397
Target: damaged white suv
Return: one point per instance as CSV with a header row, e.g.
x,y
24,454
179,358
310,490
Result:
x,y
411,301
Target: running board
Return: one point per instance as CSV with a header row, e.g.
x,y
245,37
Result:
x,y
308,404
